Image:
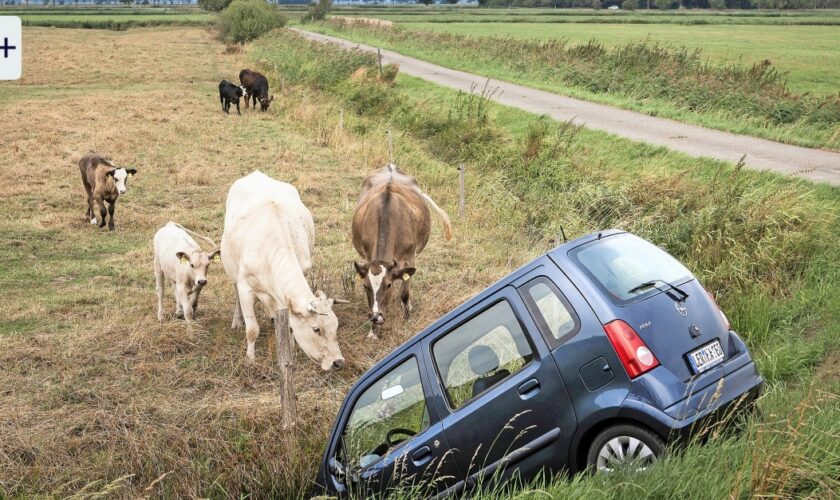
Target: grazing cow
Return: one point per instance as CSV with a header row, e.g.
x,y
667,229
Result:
x,y
391,226
256,85
103,183
266,250
230,94
181,261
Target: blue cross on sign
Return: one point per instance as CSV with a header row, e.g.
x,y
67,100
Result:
x,y
11,47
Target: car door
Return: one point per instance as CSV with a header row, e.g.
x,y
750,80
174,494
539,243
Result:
x,y
504,408
391,438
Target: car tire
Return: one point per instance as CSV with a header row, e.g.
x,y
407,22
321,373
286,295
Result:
x,y
621,445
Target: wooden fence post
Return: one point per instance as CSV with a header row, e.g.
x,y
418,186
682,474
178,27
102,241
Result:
x,y
285,360
390,147
462,194
379,54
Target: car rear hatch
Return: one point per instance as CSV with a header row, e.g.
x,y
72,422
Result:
x,y
656,296
687,334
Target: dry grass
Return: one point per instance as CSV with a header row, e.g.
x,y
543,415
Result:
x,y
95,394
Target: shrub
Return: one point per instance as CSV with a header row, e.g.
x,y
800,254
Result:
x,y
214,5
629,4
245,20
317,11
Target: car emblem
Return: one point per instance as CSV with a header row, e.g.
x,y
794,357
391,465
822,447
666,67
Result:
x,y
681,309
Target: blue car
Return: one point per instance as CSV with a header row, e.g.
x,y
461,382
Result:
x,y
592,356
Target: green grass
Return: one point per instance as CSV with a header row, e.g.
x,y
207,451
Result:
x,y
807,56
642,76
109,17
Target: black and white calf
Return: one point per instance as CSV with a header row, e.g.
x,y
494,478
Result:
x,y
230,94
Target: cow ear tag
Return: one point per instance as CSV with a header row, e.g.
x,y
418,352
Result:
x,y
131,175
217,258
184,260
405,276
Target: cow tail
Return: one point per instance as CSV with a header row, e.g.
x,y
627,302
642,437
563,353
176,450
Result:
x,y
447,226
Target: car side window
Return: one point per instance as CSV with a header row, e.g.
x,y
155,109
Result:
x,y
385,416
480,353
550,310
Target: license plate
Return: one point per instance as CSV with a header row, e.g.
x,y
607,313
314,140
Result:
x,y
706,357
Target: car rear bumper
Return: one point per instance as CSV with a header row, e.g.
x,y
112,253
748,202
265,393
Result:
x,y
735,391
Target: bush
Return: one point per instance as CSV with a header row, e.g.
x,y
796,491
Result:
x,y
214,5
317,11
245,20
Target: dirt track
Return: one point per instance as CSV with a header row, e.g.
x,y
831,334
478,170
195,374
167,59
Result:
x,y
761,154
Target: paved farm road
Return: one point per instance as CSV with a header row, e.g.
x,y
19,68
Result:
x,y
813,164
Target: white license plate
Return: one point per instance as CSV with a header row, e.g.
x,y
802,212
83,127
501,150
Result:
x,y
706,357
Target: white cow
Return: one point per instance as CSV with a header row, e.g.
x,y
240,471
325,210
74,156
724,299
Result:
x,y
266,250
180,260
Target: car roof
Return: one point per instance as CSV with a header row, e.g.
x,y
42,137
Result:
x,y
559,254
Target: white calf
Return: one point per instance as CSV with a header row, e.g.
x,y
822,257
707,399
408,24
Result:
x,y
180,260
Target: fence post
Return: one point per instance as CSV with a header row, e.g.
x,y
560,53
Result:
x,y
285,360
462,194
390,147
379,54
341,120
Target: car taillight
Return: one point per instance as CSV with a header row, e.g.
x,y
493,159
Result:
x,y
722,315
631,349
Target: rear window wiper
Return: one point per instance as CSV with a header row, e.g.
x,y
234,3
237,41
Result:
x,y
652,283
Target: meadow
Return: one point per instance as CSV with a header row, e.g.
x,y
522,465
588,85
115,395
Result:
x,y
99,398
109,17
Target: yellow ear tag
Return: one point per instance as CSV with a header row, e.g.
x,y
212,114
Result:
x,y
406,276
184,260
216,257
131,175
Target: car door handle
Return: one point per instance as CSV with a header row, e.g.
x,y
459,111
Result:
x,y
529,388
421,455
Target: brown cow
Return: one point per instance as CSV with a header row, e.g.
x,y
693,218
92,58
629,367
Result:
x,y
103,183
391,226
256,85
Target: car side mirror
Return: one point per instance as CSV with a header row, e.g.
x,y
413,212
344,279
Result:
x,y
337,469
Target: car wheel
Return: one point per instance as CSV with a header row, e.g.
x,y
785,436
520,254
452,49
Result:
x,y
624,445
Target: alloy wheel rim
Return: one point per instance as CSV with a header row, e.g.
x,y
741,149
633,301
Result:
x,y
623,450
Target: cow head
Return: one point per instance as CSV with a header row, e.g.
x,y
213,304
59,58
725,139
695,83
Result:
x,y
315,327
378,278
198,262
265,102
120,176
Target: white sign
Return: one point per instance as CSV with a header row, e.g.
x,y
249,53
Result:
x,y
11,47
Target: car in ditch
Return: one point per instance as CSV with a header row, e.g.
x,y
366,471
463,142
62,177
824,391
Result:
x,y
593,356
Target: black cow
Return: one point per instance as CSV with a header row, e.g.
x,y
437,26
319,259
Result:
x,y
230,93
256,85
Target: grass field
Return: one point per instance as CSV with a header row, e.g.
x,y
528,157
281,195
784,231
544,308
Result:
x,y
808,56
97,397
109,17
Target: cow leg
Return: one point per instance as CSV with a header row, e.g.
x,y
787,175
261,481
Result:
x,y
179,309
237,109
222,101
112,205
183,297
374,331
194,299
406,299
89,215
237,311
102,210
252,327
159,288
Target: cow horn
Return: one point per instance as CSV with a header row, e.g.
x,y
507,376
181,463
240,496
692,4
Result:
x,y
340,301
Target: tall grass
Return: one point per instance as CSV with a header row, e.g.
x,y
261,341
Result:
x,y
641,73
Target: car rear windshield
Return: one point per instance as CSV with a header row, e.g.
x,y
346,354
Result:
x,y
621,263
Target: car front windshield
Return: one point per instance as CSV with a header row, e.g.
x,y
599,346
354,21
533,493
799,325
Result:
x,y
628,267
